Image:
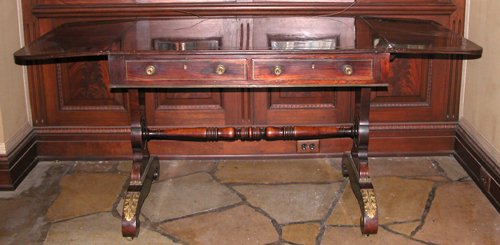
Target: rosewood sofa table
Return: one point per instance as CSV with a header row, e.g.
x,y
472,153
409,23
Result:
x,y
356,54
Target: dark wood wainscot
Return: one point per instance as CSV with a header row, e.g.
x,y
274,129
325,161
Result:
x,y
281,73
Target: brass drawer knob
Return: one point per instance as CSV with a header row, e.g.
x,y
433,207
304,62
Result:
x,y
348,70
221,69
150,70
277,70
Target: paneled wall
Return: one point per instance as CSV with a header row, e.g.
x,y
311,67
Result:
x,y
76,115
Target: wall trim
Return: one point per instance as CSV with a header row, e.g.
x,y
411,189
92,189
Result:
x,y
12,142
481,141
479,162
15,165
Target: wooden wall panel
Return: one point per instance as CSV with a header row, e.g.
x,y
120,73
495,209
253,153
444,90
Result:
x,y
83,86
70,100
188,107
298,106
77,93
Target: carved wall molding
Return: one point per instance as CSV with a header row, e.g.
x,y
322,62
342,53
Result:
x,y
82,130
412,126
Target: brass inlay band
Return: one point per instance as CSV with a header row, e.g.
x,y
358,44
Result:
x,y
130,203
135,182
370,203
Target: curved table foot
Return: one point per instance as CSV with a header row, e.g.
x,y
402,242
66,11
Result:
x,y
369,212
137,192
364,192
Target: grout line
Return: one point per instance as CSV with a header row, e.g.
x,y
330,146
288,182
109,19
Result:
x,y
301,222
335,201
465,179
183,175
283,183
215,210
402,222
76,217
155,226
275,223
427,208
440,169
345,226
281,241
406,236
215,168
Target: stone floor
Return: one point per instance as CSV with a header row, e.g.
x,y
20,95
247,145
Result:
x,y
424,200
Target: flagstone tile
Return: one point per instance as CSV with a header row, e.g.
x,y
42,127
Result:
x,y
460,214
94,166
86,193
101,228
404,228
23,211
293,202
301,233
346,211
401,199
402,166
186,195
238,225
451,167
398,200
352,235
23,219
174,168
278,171
431,178
34,179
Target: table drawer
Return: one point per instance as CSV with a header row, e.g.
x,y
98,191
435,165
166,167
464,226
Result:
x,y
201,69
312,69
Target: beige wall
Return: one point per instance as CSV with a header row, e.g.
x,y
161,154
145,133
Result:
x,y
14,118
481,88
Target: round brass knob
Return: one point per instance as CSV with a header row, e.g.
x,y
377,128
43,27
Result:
x,y
150,70
348,70
221,69
277,70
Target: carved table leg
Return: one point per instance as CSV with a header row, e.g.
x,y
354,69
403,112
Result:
x,y
356,164
144,170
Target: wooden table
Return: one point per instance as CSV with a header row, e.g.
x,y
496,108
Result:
x,y
355,56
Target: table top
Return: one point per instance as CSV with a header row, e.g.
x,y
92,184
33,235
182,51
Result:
x,y
228,35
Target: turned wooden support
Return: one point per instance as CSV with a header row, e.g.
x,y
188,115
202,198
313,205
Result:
x,y
251,133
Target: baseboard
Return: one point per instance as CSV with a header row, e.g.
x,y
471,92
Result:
x,y
479,164
18,162
113,143
15,139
